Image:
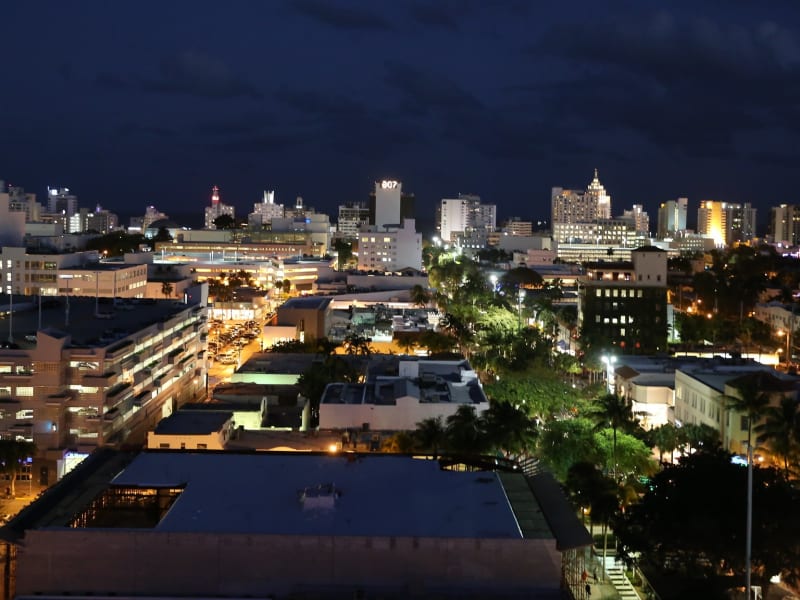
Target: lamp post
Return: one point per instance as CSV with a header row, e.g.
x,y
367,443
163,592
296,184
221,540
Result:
x,y
520,298
609,362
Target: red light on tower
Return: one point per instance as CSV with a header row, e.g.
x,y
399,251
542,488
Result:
x,y
214,196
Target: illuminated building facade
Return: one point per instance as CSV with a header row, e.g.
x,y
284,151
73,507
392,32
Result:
x,y
76,378
571,206
622,306
217,209
464,216
390,249
785,224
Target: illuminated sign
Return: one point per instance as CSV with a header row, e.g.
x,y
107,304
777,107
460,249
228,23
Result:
x,y
389,184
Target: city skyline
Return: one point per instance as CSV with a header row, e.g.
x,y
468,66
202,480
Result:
x,y
131,106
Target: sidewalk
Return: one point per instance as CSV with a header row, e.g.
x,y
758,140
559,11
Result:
x,y
24,495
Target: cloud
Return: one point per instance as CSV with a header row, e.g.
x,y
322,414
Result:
x,y
435,15
341,17
196,74
688,85
424,91
111,81
319,104
131,129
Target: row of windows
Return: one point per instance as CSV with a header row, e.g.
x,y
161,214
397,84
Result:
x,y
618,293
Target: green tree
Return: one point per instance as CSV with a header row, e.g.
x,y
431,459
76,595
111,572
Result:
x,y
692,519
613,411
344,253
225,222
779,431
564,442
13,454
162,235
665,438
419,296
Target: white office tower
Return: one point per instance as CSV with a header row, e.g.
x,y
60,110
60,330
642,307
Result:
x,y
151,215
465,214
20,201
60,201
217,209
573,206
265,211
387,203
671,218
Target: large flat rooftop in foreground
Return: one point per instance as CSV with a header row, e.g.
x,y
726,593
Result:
x,y
375,495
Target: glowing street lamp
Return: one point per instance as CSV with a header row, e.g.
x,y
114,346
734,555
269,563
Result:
x,y
609,362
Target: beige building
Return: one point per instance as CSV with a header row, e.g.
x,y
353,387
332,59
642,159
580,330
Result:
x,y
703,393
76,378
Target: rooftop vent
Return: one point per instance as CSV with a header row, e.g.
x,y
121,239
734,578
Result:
x,y
319,497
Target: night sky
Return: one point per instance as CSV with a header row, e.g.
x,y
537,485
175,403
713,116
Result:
x,y
153,102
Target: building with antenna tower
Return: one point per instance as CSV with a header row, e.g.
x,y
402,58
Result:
x,y
216,210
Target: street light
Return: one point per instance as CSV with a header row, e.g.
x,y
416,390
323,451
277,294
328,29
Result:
x,y
520,298
609,362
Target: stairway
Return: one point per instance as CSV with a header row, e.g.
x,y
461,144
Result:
x,y
616,574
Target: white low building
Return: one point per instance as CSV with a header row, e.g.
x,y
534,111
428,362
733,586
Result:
x,y
421,390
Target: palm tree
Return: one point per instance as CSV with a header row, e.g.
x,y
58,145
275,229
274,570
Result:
x,y
780,430
166,289
665,438
466,432
614,411
749,400
431,435
509,428
12,454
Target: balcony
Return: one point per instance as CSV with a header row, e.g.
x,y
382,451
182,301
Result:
x,y
109,378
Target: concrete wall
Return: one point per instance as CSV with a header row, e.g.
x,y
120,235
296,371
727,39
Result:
x,y
403,416
148,563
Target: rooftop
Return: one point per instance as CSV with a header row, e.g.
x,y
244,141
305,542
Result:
x,y
365,495
77,317
185,422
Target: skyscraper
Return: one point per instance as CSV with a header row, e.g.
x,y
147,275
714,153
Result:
x,y
465,214
572,206
388,205
671,217
785,224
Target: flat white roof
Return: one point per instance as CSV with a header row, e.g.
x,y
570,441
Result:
x,y
376,495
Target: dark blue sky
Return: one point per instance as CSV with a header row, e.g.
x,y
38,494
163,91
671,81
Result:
x,y
153,102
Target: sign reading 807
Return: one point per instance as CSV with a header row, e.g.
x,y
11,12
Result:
x,y
389,184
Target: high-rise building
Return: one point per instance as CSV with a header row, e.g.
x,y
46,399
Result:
x,y
712,221
671,218
623,305
638,218
465,214
725,222
572,206
785,224
388,205
352,216
217,209
20,201
59,200
742,220
265,211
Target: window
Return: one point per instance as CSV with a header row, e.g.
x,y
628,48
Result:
x,y
163,445
202,446
183,445
744,422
